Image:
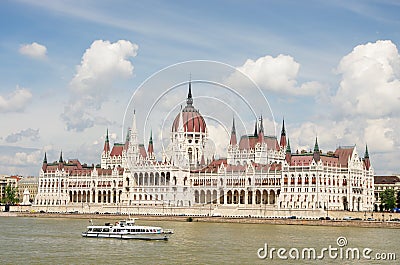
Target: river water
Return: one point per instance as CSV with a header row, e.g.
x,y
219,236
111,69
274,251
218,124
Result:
x,y
58,241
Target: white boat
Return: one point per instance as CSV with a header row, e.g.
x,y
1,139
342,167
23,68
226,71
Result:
x,y
127,229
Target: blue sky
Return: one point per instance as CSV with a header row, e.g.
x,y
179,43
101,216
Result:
x,y
331,68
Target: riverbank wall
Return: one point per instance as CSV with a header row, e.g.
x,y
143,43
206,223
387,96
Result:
x,y
214,213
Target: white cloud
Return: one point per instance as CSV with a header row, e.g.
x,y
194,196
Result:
x,y
16,101
33,50
103,64
370,84
278,74
379,134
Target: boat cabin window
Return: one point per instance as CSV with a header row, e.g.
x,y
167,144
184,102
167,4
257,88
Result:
x,y
96,229
106,229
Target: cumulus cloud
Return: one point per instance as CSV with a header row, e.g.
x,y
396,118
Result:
x,y
102,64
279,74
15,101
20,160
30,133
33,50
370,84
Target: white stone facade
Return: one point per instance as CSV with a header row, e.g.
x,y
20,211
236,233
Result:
x,y
258,172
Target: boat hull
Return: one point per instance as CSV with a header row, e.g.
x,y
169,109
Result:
x,y
127,236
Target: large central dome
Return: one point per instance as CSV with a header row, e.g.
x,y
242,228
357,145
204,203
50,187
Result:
x,y
192,120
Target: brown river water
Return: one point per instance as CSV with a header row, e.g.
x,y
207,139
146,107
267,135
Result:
x,y
26,240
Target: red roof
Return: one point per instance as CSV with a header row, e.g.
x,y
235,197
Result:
x,y
386,179
301,160
117,150
249,142
192,120
142,151
344,153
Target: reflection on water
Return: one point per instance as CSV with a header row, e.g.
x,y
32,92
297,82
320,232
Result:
x,y
58,241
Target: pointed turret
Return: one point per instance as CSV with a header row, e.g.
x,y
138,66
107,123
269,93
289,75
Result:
x,y
288,156
316,151
150,148
189,100
283,135
133,128
106,148
44,165
367,162
233,140
261,131
255,129
133,152
133,141
60,161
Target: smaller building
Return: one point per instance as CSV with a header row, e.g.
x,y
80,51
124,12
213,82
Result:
x,y
6,180
31,185
383,183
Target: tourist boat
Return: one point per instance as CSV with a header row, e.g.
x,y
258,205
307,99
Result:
x,y
127,229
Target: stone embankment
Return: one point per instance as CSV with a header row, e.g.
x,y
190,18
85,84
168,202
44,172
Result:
x,y
242,220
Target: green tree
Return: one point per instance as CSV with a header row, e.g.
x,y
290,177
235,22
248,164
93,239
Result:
x,y
10,195
398,199
388,199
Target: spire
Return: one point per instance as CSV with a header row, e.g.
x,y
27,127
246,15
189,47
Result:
x,y
61,158
60,162
316,147
189,100
150,148
261,131
366,155
106,148
367,162
133,129
288,156
255,129
288,149
316,151
233,140
261,125
133,141
282,142
44,166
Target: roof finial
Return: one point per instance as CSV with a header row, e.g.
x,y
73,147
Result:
x,y
288,149
189,100
261,130
283,132
233,140
316,147
366,155
255,129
